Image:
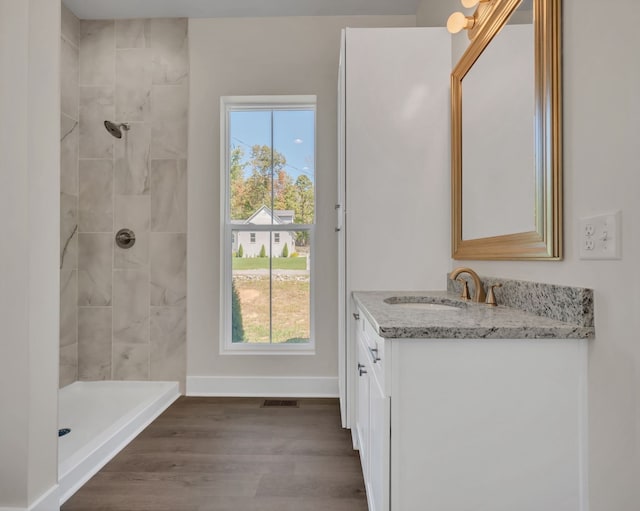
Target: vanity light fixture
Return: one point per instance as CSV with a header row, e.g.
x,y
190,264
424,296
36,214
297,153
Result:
x,y
459,21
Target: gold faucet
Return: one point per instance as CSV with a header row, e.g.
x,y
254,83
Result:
x,y
479,295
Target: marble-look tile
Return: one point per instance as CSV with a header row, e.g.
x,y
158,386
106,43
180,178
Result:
x,y
169,107
95,204
168,344
168,257
133,84
131,306
130,361
169,195
68,155
132,33
96,106
97,52
94,343
68,231
169,42
132,161
95,254
68,365
70,26
132,212
69,96
68,307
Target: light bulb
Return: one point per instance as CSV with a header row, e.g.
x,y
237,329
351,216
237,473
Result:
x,y
468,4
458,21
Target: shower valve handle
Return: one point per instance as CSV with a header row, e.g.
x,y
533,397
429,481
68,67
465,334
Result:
x,y
125,238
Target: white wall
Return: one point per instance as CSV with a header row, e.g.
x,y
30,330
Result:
x,y
29,220
261,56
601,174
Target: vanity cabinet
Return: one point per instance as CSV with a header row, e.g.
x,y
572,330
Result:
x,y
470,424
372,420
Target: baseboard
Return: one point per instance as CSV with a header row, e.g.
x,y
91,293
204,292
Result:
x,y
262,386
48,501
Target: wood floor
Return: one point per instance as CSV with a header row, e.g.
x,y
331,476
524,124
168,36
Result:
x,y
223,454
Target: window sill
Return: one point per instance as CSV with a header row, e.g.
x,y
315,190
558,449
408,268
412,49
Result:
x,y
268,349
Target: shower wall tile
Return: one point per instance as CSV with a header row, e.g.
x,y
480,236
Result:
x,y
168,256
132,33
94,343
132,161
169,41
130,361
169,105
70,26
95,254
130,306
168,344
68,155
68,365
169,195
68,307
97,56
69,79
133,85
68,231
95,208
130,312
132,212
96,106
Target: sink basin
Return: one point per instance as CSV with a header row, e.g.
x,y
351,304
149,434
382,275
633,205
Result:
x,y
425,303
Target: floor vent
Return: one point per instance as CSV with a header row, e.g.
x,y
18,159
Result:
x,y
280,403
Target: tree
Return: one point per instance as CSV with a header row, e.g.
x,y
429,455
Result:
x,y
257,187
236,183
285,250
240,251
237,330
263,251
305,205
284,192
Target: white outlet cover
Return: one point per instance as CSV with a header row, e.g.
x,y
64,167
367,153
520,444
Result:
x,y
600,237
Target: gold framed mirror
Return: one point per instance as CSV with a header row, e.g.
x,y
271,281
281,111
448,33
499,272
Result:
x,y
506,161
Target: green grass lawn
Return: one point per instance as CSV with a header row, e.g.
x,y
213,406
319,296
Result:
x,y
262,263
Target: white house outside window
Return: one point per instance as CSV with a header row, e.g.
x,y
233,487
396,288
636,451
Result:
x,y
268,176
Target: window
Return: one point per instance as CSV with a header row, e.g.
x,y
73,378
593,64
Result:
x,y
268,199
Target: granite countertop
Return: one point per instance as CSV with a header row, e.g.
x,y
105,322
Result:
x,y
468,321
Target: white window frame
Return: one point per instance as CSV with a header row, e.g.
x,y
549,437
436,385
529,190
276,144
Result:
x,y
276,238
227,105
252,237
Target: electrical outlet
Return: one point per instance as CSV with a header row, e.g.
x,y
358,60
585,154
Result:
x,y
600,237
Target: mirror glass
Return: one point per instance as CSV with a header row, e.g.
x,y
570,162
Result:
x,y
498,102
506,127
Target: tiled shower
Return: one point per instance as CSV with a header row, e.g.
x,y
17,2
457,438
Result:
x,y
123,311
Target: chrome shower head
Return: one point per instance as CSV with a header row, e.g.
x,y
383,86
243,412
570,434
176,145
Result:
x,y
116,129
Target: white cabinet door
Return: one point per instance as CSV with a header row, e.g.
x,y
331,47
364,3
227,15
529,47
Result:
x,y
363,410
343,318
379,444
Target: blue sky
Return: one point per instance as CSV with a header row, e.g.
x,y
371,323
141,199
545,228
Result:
x,y
293,136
